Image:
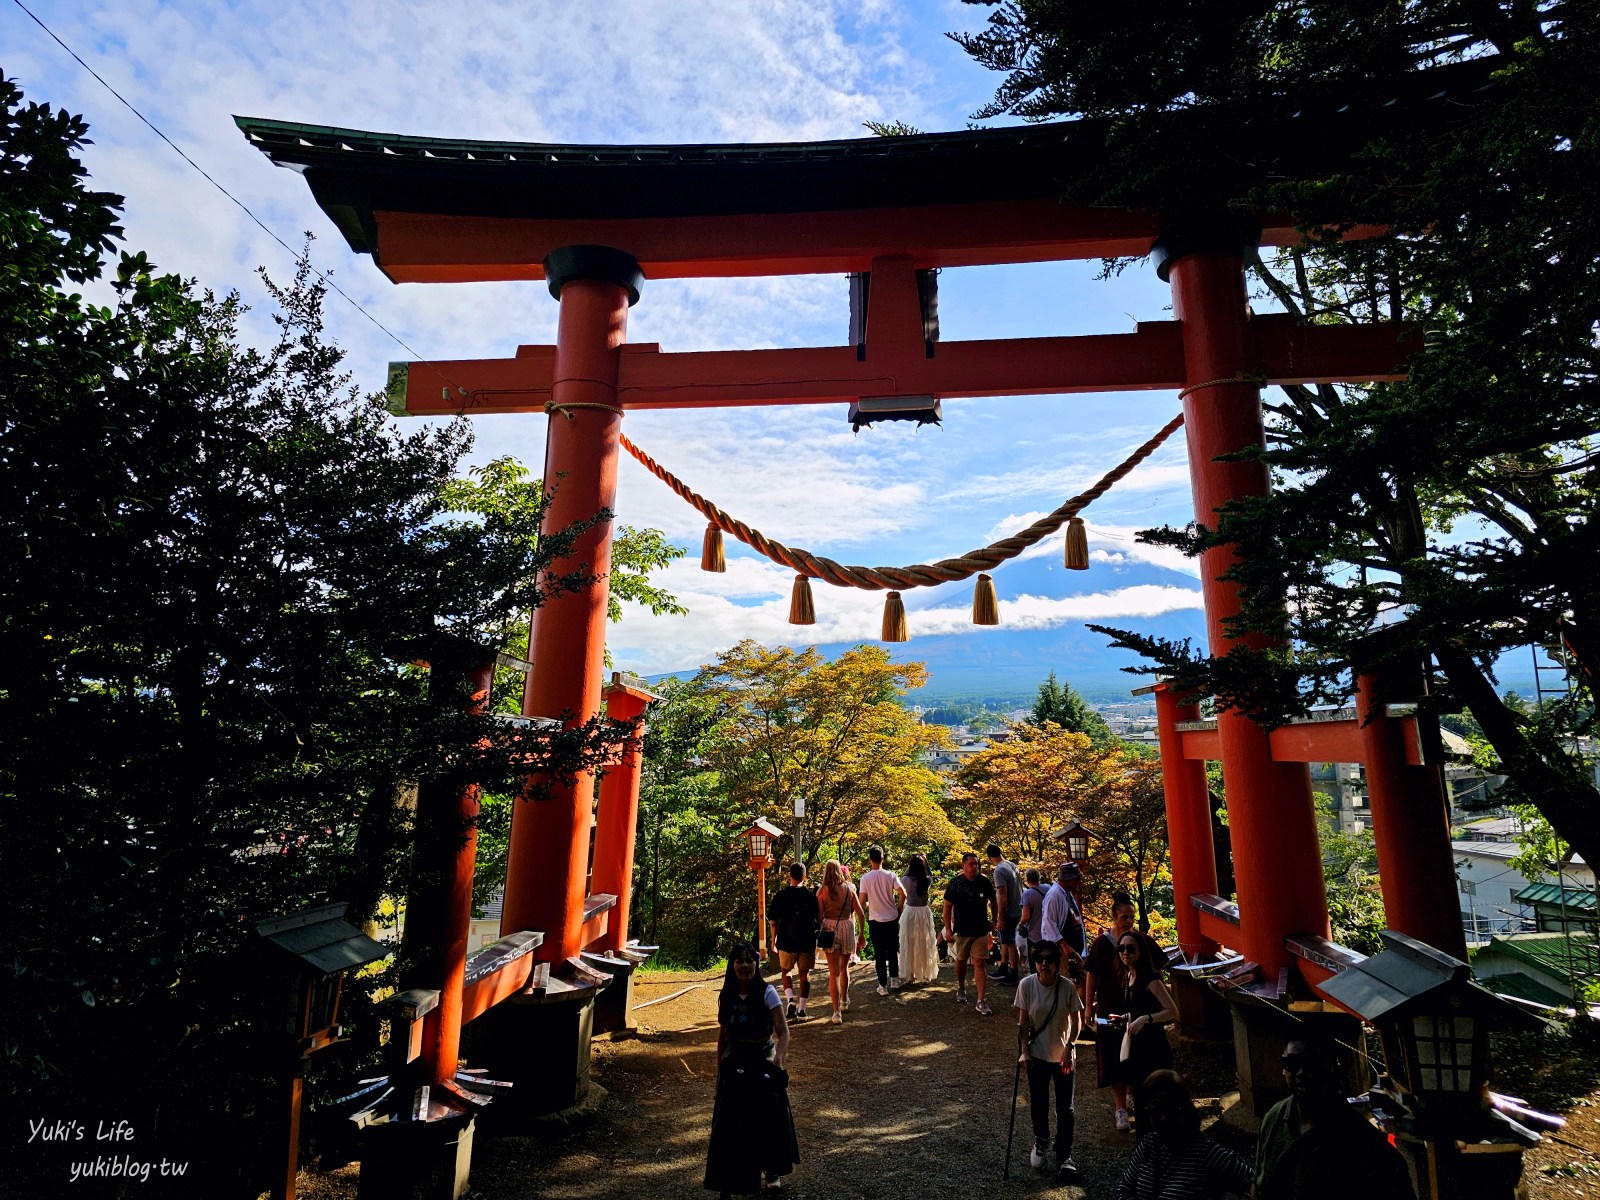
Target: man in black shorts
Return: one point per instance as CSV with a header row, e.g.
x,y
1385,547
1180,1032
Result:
x,y
792,924
968,917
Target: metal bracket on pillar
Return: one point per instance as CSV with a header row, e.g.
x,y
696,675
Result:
x,y
1203,233
594,262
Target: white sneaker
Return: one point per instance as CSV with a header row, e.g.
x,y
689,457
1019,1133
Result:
x,y
1036,1156
1122,1120
961,995
847,1004
896,984
882,991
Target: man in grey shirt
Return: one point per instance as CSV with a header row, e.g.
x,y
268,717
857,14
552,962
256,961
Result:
x,y
1008,912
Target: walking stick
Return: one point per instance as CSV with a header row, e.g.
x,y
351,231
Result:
x,y
1011,1129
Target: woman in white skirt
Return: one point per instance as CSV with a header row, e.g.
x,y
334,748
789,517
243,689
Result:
x,y
919,960
838,910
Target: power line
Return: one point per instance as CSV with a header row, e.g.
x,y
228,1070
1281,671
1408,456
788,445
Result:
x,y
325,279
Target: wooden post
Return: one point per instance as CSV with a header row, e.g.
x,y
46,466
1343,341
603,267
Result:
x,y
294,1086
1193,850
439,907
616,822
1410,830
1277,858
548,859
761,907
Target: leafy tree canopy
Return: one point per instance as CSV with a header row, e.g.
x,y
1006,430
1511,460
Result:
x,y
743,738
1060,703
1020,791
795,724
220,569
1418,527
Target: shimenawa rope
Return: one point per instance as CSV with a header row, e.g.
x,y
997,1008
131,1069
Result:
x,y
946,570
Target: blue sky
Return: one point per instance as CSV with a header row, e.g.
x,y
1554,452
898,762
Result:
x,y
638,71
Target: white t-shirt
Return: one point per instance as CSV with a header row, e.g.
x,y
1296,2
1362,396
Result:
x,y
1050,1041
877,889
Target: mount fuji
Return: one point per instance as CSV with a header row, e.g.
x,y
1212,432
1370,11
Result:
x,y
1045,613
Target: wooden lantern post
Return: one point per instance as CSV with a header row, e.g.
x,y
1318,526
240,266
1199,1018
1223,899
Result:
x,y
1077,839
322,946
1461,1137
760,837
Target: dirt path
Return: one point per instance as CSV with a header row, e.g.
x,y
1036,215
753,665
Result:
x,y
908,1098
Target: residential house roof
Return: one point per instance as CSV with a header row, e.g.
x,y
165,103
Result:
x,y
1553,953
1580,900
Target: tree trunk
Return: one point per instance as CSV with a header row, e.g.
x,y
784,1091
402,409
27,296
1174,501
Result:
x,y
1568,801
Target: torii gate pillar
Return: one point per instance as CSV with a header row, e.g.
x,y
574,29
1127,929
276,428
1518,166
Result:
x,y
1276,855
547,863
1192,847
1410,827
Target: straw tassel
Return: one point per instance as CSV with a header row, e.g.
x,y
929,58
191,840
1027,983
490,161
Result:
x,y
711,558
1077,553
894,619
985,608
801,610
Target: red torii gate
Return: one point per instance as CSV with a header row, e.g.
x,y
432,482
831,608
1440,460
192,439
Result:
x,y
594,222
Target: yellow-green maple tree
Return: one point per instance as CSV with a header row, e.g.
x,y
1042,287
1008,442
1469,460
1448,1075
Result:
x,y
795,724
1021,789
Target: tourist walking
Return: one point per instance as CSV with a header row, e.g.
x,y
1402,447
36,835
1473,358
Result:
x,y
1048,1016
1062,920
1104,999
881,890
792,932
1174,1160
840,911
919,959
1030,924
1314,1146
752,1127
968,918
1143,1046
855,947
1008,914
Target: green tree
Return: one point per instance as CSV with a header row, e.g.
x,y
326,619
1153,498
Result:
x,y
1021,791
505,489
1060,703
691,882
219,569
742,739
1461,498
504,492
1350,870
795,724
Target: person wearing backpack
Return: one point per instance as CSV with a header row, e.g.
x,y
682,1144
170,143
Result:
x,y
1030,927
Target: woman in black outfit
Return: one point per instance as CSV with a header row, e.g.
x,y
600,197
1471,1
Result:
x,y
752,1127
1150,1009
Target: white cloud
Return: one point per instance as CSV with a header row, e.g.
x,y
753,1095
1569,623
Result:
x,y
1068,479
847,615
627,71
